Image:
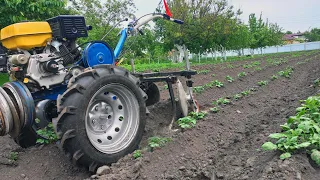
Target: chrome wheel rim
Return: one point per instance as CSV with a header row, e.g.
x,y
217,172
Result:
x,y
112,118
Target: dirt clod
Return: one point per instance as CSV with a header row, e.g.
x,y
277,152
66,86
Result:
x,y
103,170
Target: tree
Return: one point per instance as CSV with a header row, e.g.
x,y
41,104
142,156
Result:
x,y
289,32
208,24
102,16
313,35
13,11
263,34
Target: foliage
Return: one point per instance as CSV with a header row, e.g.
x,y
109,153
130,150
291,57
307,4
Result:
x,y
191,120
313,35
137,154
13,156
198,115
218,84
157,142
316,82
237,96
286,73
203,72
242,74
215,109
274,77
221,101
245,93
48,133
14,11
102,15
229,79
301,131
198,89
262,83
187,122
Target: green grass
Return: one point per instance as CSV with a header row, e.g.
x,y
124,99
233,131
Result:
x,y
3,79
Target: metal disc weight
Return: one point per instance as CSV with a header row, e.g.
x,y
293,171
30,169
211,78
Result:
x,y
6,118
16,125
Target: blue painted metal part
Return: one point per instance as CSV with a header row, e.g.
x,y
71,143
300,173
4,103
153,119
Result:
x,y
121,42
97,53
51,94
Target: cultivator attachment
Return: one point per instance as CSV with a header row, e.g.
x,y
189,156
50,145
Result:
x,y
16,109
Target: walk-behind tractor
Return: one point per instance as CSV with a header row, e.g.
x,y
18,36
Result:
x,y
98,109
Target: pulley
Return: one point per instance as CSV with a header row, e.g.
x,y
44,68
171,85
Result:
x,y
23,102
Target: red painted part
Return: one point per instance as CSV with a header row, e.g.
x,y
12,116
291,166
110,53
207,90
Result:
x,y
167,8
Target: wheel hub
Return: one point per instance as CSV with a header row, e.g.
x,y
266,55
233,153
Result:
x,y
111,120
101,115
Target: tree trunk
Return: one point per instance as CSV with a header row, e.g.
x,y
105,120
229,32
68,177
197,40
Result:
x,y
181,52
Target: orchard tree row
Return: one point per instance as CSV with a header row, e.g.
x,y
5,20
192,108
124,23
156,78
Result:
x,y
210,25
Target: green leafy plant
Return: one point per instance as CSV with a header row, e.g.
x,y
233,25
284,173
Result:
x,y
215,109
218,84
237,96
245,93
203,72
286,73
157,142
187,122
213,75
262,83
258,69
242,74
221,101
299,132
48,134
230,66
166,86
197,115
198,89
137,154
316,82
274,77
229,79
13,156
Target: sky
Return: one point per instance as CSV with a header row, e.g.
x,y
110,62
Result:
x,y
293,15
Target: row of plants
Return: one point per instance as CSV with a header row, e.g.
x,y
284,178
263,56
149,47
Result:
x,y
157,142
300,132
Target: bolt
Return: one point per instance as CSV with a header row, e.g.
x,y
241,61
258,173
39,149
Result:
x,y
102,127
93,121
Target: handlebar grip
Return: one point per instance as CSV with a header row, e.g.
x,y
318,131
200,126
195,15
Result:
x,y
178,21
141,32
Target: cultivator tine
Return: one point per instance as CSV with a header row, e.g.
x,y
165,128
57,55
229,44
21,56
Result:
x,y
182,102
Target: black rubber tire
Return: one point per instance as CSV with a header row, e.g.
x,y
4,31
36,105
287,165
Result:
x,y
27,137
72,106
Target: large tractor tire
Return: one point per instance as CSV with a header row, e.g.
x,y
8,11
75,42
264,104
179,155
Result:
x,y
101,116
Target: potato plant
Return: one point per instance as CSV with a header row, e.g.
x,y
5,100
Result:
x,y
242,74
262,83
229,79
301,131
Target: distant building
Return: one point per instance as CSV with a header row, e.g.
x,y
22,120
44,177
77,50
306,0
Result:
x,y
294,38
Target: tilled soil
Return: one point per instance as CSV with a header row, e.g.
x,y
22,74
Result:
x,y
225,145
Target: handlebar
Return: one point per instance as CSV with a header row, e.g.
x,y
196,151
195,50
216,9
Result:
x,y
154,16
